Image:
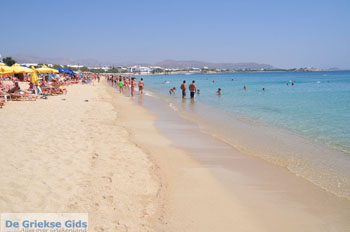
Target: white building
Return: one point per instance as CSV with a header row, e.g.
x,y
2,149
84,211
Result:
x,y
75,66
30,64
139,69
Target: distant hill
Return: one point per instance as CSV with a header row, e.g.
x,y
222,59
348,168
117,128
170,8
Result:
x,y
176,64
24,58
200,64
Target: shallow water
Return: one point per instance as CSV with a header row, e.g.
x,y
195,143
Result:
x,y
302,127
281,200
316,106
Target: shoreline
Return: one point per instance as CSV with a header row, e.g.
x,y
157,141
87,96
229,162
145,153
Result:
x,y
133,169
299,149
190,192
298,197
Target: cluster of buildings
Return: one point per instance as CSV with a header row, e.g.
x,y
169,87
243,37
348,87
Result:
x,y
148,70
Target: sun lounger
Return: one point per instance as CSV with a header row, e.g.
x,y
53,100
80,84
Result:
x,y
23,97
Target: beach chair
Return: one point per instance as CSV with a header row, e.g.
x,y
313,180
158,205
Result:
x,y
23,97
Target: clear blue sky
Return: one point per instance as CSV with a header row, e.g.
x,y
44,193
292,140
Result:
x,y
285,34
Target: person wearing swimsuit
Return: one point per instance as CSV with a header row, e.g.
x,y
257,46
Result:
x,y
133,84
183,88
141,86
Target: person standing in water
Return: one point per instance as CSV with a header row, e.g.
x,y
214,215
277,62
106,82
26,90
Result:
x,y
218,92
245,88
141,86
192,88
183,88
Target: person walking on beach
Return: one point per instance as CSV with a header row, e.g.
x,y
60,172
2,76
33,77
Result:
x,y
141,86
183,88
192,88
121,85
133,84
127,83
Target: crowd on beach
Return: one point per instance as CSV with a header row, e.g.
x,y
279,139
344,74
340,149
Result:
x,y
126,83
23,87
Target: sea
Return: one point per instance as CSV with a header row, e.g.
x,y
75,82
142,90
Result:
x,y
296,120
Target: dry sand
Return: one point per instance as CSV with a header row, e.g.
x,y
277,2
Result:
x,y
68,155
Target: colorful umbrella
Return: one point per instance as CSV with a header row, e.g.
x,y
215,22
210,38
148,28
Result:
x,y
5,70
45,69
20,69
34,77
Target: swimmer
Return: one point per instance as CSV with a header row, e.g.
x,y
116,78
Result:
x,y
263,89
198,91
218,92
245,88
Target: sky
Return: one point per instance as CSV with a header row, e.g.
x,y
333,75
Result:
x,y
285,34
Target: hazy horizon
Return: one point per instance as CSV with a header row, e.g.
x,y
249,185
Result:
x,y
281,34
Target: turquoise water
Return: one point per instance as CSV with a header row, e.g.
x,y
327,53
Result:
x,y
316,106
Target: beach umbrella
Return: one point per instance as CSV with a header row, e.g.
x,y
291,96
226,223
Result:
x,y
34,77
9,72
45,69
5,70
20,69
61,70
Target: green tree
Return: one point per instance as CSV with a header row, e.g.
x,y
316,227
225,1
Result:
x,y
84,69
157,70
9,61
56,66
113,70
97,70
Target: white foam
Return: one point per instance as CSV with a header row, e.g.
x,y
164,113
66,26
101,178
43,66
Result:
x,y
173,107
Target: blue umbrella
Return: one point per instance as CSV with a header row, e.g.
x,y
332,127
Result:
x,y
61,70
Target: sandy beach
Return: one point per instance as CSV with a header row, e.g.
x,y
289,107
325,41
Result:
x,y
69,154
94,150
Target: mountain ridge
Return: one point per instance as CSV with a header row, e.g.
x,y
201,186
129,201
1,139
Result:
x,y
168,63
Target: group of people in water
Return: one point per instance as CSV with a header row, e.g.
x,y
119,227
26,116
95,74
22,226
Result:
x,y
192,87
126,83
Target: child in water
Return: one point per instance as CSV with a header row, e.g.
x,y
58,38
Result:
x,y
172,90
